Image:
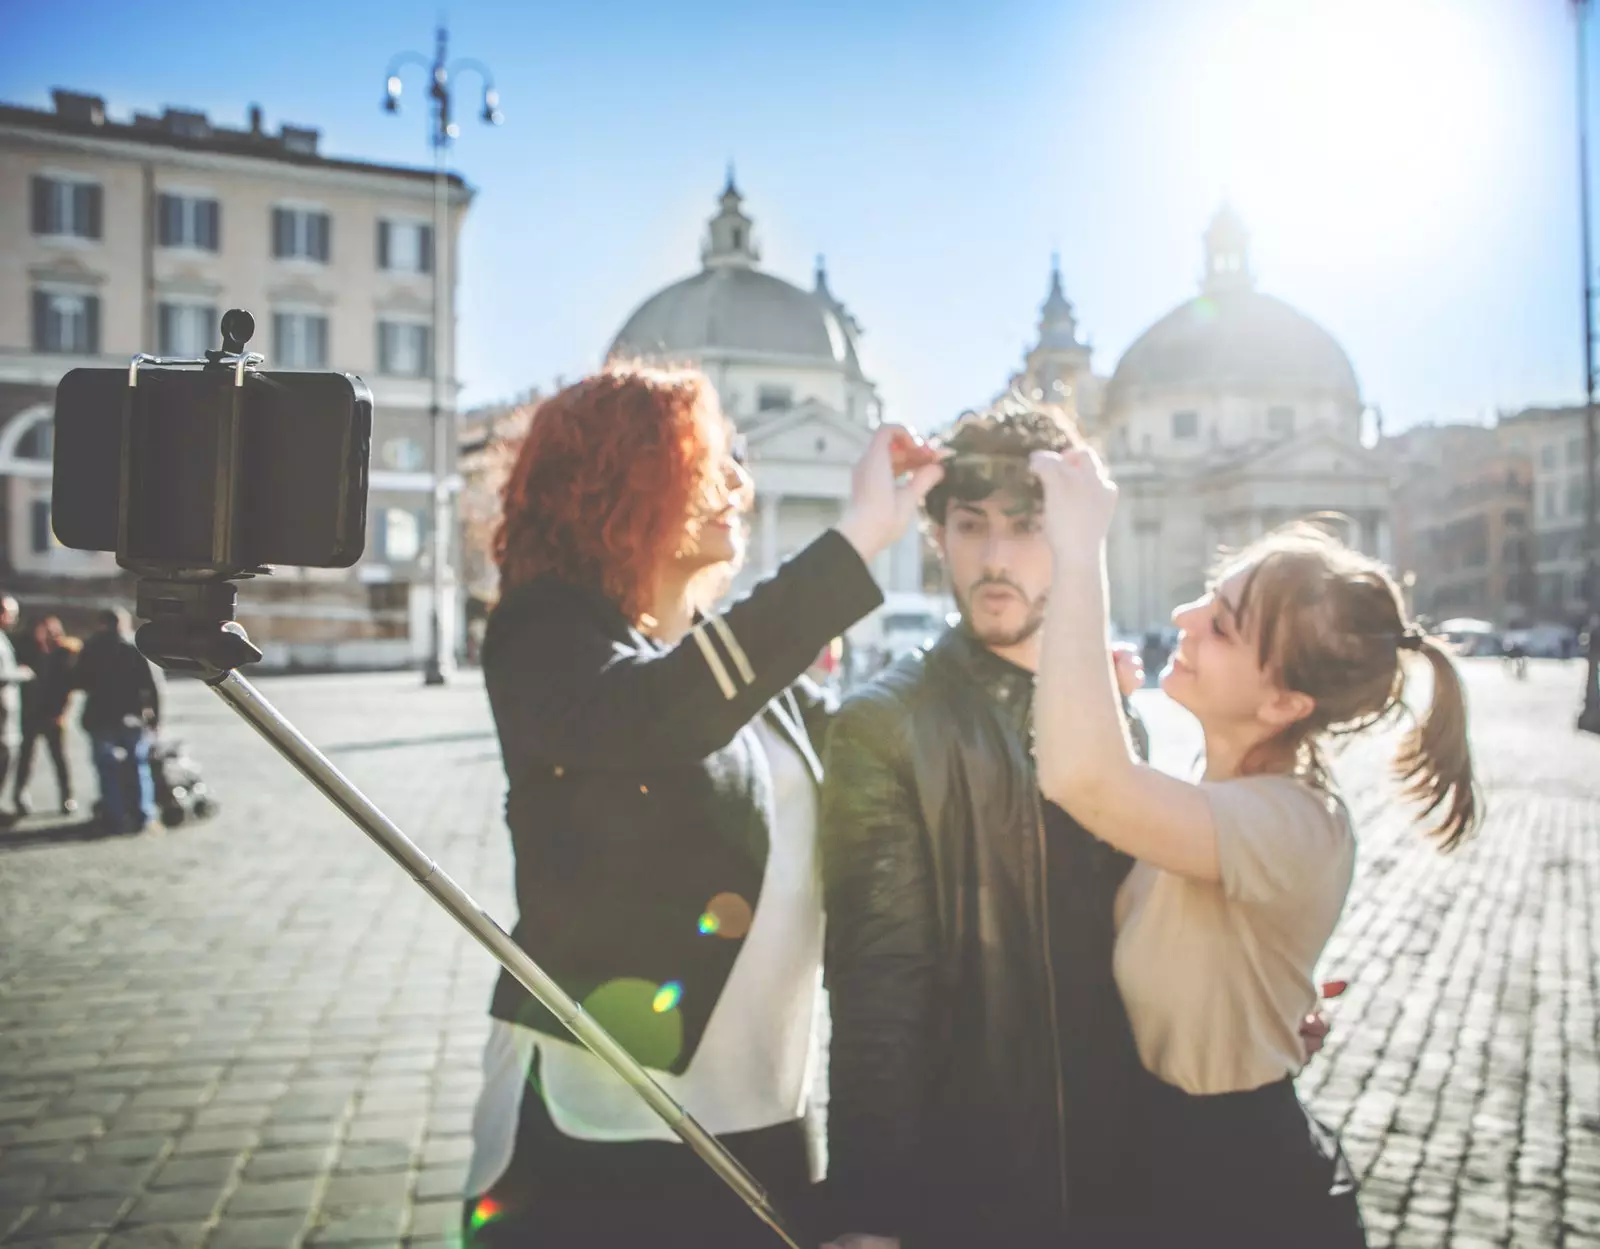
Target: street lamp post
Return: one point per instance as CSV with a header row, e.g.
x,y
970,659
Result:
x,y
443,131
1589,716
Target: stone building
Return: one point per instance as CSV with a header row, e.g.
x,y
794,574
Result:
x,y
1552,440
784,362
1232,414
1463,516
125,237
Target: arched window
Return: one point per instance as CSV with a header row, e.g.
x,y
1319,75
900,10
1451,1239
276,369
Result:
x,y
38,442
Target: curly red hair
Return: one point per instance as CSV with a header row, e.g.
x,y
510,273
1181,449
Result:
x,y
609,474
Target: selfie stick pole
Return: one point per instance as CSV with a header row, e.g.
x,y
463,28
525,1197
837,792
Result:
x,y
192,630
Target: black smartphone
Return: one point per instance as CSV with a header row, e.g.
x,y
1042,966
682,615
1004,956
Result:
x,y
212,469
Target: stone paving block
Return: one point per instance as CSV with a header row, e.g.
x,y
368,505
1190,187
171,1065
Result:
x,y
176,1205
437,1219
165,1236
289,1196
74,1128
190,1171
216,1140
132,1147
289,1162
101,1179
80,1215
256,1232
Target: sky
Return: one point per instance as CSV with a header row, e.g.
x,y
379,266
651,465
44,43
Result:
x,y
1408,168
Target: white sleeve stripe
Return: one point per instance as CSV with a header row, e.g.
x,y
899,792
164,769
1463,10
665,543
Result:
x,y
740,660
714,662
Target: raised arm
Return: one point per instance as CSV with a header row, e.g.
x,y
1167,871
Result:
x,y
565,693
881,965
1084,763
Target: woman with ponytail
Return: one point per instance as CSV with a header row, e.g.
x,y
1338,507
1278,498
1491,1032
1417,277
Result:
x,y
1241,876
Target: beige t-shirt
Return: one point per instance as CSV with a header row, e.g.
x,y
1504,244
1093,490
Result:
x,y
1217,977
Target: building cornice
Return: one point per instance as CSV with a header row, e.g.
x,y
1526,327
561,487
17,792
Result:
x,y
394,182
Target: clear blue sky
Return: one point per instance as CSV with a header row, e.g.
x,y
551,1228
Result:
x,y
1407,166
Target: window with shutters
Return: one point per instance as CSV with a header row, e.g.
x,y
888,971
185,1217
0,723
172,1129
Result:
x,y
187,329
404,349
299,340
301,234
67,207
405,247
66,322
189,221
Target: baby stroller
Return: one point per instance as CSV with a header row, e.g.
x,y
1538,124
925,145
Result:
x,y
179,789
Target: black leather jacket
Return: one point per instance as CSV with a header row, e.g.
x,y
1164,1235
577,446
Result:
x,y
979,1044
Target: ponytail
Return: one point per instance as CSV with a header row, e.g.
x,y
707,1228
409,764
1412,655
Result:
x,y
1434,762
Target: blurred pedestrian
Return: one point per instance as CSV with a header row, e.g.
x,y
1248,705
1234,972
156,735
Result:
x,y
13,676
52,655
121,708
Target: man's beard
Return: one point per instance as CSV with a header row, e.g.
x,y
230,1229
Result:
x,y
999,639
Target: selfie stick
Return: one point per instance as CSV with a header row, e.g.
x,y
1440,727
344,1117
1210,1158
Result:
x,y
192,630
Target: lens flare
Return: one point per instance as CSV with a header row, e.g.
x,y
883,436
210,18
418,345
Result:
x,y
667,997
727,915
486,1211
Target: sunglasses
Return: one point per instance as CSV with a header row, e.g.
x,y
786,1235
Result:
x,y
973,477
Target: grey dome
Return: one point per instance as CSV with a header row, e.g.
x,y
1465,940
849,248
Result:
x,y
1240,340
735,308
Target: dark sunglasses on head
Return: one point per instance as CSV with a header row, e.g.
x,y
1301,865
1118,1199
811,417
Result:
x,y
973,477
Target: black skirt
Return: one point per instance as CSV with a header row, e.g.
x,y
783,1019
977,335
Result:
x,y
560,1191
1250,1170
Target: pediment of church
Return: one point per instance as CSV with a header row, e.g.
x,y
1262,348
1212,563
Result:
x,y
812,432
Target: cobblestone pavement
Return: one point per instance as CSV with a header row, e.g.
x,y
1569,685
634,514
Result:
x,y
256,1032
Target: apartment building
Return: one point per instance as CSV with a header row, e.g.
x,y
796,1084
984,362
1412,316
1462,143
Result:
x,y
1553,440
124,236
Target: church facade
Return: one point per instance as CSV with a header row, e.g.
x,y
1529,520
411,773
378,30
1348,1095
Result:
x,y
784,362
1231,415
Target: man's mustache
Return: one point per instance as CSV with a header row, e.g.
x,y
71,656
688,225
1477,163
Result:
x,y
1004,583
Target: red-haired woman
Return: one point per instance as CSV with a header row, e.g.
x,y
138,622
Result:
x,y
1242,875
662,812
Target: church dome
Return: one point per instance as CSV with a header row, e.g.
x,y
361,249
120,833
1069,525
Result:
x,y
1232,337
732,306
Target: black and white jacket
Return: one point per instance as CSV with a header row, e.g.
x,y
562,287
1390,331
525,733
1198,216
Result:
x,y
638,791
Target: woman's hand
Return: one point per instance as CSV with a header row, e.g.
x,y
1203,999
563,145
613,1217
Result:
x,y
1130,668
1079,498
881,505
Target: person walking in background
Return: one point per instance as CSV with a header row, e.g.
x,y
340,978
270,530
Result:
x,y
13,676
52,655
122,707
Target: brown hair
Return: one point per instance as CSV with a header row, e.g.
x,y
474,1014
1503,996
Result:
x,y
1013,427
1329,622
608,475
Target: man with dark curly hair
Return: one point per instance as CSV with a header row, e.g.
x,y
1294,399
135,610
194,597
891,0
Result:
x,y
982,1068
979,1050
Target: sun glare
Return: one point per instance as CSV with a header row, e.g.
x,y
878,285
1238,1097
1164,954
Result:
x,y
1355,124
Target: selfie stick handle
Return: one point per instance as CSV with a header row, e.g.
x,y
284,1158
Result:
x,y
210,651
